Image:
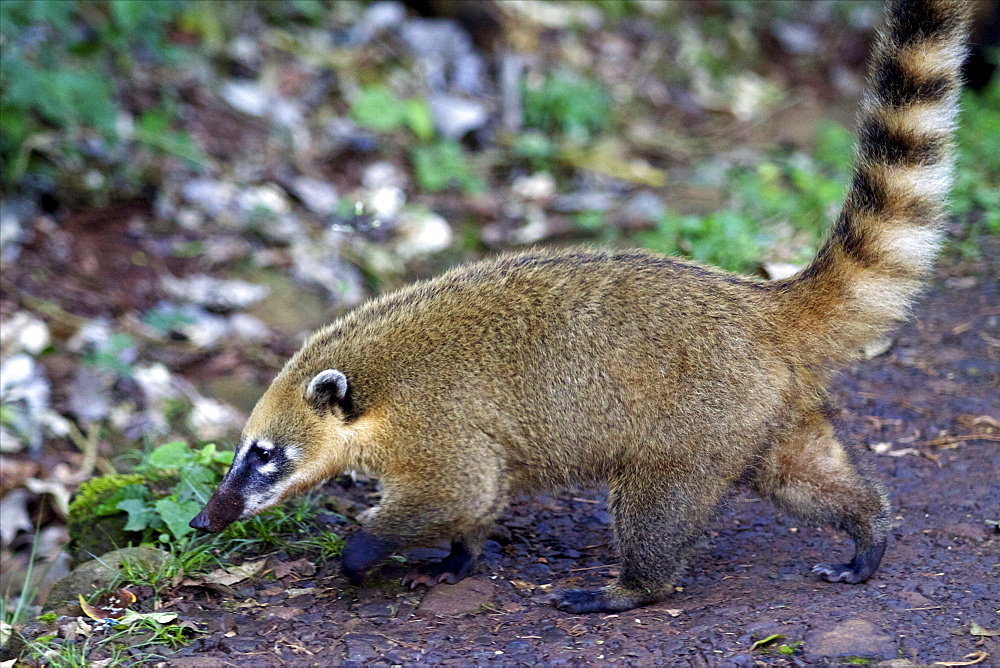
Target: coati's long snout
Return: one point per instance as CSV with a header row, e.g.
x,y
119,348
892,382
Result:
x,y
223,508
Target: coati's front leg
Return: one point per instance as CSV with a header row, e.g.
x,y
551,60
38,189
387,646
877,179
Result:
x,y
457,502
656,523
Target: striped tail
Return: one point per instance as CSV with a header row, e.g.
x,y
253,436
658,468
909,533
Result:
x,y
884,243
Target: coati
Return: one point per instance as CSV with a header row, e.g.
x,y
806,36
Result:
x,y
670,382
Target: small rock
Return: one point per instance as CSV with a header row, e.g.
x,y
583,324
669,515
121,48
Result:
x,y
380,16
214,197
14,515
14,213
246,96
241,644
22,332
644,207
376,609
267,198
582,201
455,117
211,420
421,232
465,597
539,187
98,573
778,270
25,390
797,38
877,348
318,196
214,292
855,637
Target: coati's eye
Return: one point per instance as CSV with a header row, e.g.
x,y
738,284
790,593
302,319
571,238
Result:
x,y
264,456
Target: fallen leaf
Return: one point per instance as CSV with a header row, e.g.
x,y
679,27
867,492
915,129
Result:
x,y
58,490
974,658
131,617
14,516
977,630
109,606
673,612
765,641
227,576
302,566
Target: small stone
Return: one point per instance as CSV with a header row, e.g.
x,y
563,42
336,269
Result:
x,y
855,637
246,96
22,332
537,187
98,573
465,597
318,196
211,420
213,196
778,270
455,117
376,609
421,232
214,292
644,207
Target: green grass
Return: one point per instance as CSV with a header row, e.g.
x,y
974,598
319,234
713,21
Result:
x,y
802,192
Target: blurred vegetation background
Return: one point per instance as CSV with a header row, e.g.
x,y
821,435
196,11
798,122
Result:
x,y
190,186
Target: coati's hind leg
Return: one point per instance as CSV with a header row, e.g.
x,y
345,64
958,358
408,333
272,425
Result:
x,y
459,564
814,477
657,522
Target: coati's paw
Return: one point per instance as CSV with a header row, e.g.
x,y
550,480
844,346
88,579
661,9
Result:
x,y
429,576
605,599
361,552
838,573
453,568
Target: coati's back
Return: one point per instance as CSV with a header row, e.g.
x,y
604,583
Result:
x,y
670,382
570,358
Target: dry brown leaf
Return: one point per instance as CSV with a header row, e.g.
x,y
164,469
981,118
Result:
x,y
228,576
977,630
974,658
302,566
109,606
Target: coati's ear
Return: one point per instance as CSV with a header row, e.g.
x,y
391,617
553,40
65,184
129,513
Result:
x,y
327,388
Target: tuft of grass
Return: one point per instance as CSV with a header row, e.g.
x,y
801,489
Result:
x,y
565,103
976,193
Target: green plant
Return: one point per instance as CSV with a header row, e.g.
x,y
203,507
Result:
x,y
378,108
562,102
790,648
976,193
726,239
443,165
114,355
58,90
197,471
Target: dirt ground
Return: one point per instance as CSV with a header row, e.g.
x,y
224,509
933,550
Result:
x,y
935,597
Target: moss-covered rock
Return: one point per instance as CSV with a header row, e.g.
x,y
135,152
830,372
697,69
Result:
x,y
95,525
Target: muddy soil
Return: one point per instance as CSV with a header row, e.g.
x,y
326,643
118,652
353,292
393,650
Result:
x,y
929,406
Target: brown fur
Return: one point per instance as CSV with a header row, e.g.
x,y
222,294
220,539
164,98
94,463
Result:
x,y
670,382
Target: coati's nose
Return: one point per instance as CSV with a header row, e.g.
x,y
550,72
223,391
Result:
x,y
200,521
